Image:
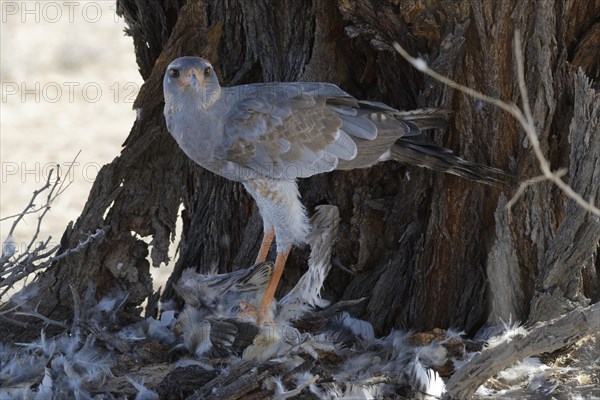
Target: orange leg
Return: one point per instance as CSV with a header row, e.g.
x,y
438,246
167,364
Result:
x,y
265,304
265,245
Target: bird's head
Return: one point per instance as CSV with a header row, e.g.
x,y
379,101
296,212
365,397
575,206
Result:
x,y
191,77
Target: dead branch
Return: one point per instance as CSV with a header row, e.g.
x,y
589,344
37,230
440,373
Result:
x,y
60,188
98,234
37,255
246,377
47,321
545,338
25,264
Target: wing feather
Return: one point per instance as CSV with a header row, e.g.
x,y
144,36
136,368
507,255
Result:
x,y
359,127
343,147
295,130
283,131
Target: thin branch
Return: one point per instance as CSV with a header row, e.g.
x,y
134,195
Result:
x,y
30,209
48,253
27,209
525,184
60,188
544,338
521,76
45,208
47,321
99,233
420,64
526,120
17,267
21,269
13,321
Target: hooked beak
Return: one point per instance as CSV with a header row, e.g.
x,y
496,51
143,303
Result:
x,y
194,79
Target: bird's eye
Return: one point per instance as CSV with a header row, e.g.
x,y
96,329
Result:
x,y
174,73
207,71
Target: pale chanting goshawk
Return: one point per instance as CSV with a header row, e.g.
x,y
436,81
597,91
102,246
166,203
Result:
x,y
267,135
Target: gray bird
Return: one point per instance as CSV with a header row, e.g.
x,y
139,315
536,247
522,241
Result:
x,y
209,323
268,135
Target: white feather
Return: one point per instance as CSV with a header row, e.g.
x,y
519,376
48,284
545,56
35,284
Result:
x,y
281,393
196,330
143,393
523,371
304,378
433,354
22,368
46,347
356,392
453,334
307,293
417,375
159,330
277,385
496,334
425,380
91,360
45,390
359,327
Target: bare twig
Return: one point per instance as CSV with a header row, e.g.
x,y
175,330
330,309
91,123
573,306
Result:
x,y
47,321
30,208
523,185
526,120
523,88
19,270
37,255
98,234
13,321
61,189
26,257
45,208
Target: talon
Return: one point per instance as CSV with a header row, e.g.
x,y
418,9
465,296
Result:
x,y
249,311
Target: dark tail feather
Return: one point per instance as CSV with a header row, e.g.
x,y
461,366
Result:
x,y
437,158
424,119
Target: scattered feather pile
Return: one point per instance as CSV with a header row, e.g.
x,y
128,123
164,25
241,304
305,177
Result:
x,y
61,367
212,346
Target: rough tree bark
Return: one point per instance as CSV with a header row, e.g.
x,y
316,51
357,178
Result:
x,y
428,250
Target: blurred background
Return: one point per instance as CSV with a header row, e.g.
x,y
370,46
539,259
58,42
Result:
x,y
69,79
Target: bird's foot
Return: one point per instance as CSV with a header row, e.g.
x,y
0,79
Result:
x,y
247,310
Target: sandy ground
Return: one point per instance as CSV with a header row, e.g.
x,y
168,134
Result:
x,y
69,79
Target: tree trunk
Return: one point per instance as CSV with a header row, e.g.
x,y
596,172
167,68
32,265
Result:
x,y
428,250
